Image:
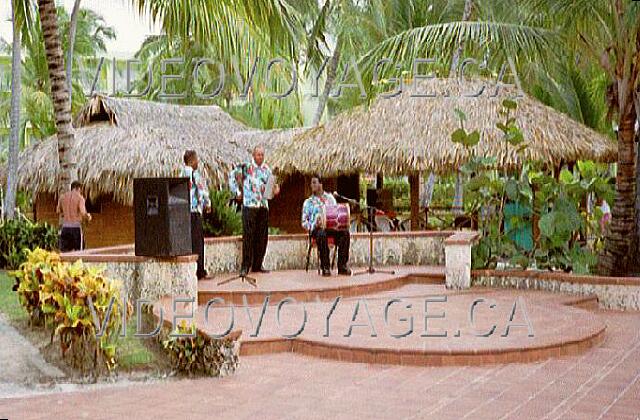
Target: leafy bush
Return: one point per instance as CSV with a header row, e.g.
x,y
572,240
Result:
x,y
199,353
399,191
275,231
569,237
223,220
57,294
29,279
19,234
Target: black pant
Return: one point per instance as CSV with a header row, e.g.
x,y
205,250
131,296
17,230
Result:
x,y
342,238
70,239
197,242
255,235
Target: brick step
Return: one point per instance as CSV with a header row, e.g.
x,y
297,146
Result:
x,y
559,324
309,286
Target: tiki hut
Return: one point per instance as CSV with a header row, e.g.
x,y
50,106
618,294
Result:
x,y
409,133
118,140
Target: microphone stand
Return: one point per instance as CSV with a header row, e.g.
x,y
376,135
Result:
x,y
242,276
370,269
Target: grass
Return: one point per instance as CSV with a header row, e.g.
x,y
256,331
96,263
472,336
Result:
x,y
132,353
9,304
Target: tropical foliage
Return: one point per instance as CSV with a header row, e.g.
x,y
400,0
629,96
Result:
x,y
37,106
192,352
61,296
224,219
19,235
511,204
582,57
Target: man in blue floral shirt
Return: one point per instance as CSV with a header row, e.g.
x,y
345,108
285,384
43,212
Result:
x,y
311,210
249,184
199,195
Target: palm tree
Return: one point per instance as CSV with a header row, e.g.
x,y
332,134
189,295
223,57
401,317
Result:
x,y
21,18
14,137
346,28
72,38
236,48
606,30
208,21
609,31
59,93
607,34
90,41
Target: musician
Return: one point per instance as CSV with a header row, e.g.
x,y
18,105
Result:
x,y
199,199
253,177
311,210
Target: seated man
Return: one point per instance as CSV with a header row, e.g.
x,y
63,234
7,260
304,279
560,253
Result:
x,y
311,222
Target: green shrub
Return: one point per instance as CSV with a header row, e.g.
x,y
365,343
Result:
x,y
199,354
57,294
223,220
275,231
569,238
399,191
19,234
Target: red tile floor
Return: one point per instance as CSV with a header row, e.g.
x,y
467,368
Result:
x,y
597,381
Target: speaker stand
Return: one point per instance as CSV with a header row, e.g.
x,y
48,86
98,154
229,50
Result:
x,y
241,276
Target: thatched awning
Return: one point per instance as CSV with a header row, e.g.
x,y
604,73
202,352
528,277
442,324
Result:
x,y
407,133
118,140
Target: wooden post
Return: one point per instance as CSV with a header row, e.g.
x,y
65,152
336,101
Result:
x,y
414,191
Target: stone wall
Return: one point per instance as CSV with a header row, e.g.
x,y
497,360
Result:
x,y
288,252
458,259
146,278
612,292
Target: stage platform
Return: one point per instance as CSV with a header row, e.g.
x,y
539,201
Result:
x,y
408,318
309,286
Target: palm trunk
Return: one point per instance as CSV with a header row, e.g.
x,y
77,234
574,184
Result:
x,y
332,69
618,257
73,24
14,136
637,144
59,93
428,193
466,15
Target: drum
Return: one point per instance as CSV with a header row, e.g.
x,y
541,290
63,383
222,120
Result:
x,y
335,217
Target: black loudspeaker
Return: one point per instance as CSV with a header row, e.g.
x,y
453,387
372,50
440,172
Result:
x,y
162,216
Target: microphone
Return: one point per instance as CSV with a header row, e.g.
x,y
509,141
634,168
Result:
x,y
347,199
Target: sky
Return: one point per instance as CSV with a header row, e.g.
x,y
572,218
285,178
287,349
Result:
x,y
130,27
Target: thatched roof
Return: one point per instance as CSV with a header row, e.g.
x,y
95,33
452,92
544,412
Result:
x,y
404,133
121,139
271,140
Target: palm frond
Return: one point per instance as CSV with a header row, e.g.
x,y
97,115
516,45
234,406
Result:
x,y
439,40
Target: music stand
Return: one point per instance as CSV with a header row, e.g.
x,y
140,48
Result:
x,y
370,210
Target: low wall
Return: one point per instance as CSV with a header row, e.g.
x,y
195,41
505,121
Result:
x,y
458,259
621,293
142,277
289,252
153,278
